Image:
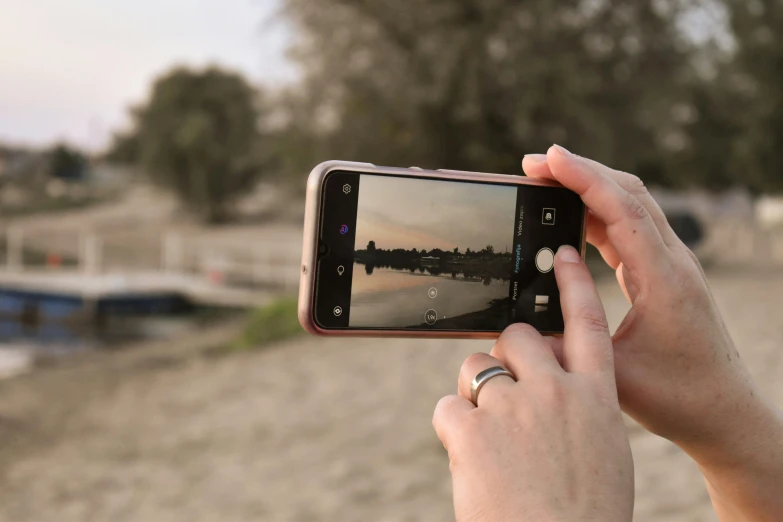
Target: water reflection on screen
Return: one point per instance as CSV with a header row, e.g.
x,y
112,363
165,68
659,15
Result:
x,y
432,246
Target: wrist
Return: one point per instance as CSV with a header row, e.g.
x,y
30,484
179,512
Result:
x,y
744,463
744,435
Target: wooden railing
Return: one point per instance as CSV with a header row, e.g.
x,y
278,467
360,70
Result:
x,y
173,253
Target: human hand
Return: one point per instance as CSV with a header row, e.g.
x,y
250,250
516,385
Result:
x,y
678,371
551,446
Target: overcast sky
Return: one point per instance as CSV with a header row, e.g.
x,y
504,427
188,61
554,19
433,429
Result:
x,y
424,214
69,69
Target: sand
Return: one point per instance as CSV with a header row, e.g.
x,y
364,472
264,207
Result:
x,y
306,430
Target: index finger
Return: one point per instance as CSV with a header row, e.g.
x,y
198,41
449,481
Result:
x,y
587,345
629,224
536,166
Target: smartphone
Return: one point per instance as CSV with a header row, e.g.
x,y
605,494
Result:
x,y
408,252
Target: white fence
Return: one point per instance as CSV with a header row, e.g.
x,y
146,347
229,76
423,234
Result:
x,y
172,252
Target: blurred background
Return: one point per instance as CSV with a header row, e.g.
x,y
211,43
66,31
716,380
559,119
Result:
x,y
153,158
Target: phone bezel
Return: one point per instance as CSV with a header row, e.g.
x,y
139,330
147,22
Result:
x,y
312,226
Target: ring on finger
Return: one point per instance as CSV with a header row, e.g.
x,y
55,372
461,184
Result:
x,y
483,378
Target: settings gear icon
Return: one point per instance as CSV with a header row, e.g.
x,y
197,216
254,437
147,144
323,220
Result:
x,y
347,188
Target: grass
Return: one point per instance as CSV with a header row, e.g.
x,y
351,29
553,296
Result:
x,y
268,324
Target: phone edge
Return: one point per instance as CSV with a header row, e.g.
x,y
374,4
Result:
x,y
305,305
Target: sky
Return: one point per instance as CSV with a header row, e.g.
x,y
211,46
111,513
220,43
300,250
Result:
x,y
424,214
70,69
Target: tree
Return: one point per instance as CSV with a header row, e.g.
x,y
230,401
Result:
x,y
456,251
67,163
750,84
198,136
473,85
124,148
371,246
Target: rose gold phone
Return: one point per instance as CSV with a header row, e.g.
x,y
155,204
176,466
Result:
x,y
421,253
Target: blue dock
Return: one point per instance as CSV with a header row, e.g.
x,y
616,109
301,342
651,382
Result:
x,y
58,296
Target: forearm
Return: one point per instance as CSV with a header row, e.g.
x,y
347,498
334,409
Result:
x,y
745,476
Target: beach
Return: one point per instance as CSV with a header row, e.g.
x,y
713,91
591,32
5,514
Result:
x,y
307,430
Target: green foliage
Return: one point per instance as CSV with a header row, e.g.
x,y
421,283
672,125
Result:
x,y
124,149
198,137
751,82
474,85
270,323
67,163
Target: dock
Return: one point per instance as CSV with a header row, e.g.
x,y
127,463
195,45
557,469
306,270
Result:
x,y
55,295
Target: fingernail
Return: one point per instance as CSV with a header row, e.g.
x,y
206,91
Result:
x,y
568,254
536,158
562,150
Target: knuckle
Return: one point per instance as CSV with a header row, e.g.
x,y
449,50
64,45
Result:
x,y
690,287
445,404
551,388
473,361
516,331
634,208
439,416
447,420
594,321
693,258
520,328
635,185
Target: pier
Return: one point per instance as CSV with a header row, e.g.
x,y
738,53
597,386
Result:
x,y
184,279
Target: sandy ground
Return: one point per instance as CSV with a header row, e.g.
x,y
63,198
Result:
x,y
307,430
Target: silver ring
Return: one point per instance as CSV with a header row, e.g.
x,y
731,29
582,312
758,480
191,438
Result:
x,y
483,377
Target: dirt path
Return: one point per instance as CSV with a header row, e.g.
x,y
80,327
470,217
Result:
x,y
309,430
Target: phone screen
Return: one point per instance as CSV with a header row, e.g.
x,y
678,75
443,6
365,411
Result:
x,y
410,253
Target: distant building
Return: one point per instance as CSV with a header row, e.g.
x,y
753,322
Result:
x,y
769,211
18,163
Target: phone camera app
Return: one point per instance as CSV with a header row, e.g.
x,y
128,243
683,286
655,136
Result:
x,y
549,217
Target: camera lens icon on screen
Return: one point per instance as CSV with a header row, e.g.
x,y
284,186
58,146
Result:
x,y
343,229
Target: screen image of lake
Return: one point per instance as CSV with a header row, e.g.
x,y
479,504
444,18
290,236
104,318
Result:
x,y
399,298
